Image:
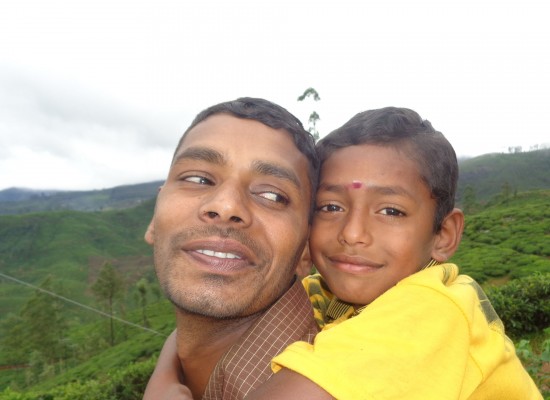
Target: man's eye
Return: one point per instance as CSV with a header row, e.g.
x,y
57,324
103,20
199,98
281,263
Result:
x,y
275,197
392,212
329,208
201,180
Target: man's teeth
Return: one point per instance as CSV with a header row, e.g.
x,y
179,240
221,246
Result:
x,y
218,254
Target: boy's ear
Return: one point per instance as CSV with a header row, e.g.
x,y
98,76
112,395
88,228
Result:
x,y
303,268
449,236
150,233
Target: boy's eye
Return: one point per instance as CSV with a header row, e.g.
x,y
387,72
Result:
x,y
328,208
392,212
275,197
201,180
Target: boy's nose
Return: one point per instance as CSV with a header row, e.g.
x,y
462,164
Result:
x,y
354,231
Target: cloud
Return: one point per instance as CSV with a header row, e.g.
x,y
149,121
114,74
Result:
x,y
52,134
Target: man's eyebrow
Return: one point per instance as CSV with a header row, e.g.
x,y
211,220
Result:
x,y
201,154
278,171
329,187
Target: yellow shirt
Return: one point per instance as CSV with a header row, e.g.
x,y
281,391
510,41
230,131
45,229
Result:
x,y
432,336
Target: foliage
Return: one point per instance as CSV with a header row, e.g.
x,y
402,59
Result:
x,y
523,304
505,243
536,361
108,288
71,247
507,240
127,383
313,117
487,174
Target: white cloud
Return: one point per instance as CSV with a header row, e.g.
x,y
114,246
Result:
x,y
98,92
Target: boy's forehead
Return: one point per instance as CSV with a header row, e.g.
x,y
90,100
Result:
x,y
363,166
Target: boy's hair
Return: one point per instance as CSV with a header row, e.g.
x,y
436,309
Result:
x,y
404,130
275,117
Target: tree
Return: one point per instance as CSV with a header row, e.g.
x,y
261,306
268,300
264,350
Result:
x,y
42,329
313,117
108,288
469,203
142,288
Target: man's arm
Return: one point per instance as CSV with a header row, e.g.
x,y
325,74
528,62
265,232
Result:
x,y
165,382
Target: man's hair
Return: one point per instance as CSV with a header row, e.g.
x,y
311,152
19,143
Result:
x,y
404,130
274,116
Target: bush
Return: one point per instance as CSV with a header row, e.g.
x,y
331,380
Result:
x,y
523,304
126,384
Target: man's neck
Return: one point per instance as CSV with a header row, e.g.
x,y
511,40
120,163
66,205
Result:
x,y
201,342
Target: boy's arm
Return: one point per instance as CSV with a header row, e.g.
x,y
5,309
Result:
x,y
289,385
165,382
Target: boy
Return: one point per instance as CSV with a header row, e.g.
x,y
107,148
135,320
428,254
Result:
x,y
399,323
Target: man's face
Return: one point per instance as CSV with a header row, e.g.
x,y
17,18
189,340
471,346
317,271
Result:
x,y
231,219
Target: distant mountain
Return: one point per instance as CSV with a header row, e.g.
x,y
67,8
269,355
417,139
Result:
x,y
488,175
21,201
491,174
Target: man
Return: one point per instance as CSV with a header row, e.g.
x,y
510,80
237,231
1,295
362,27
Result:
x,y
229,231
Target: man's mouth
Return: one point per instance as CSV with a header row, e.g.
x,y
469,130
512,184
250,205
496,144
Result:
x,y
217,254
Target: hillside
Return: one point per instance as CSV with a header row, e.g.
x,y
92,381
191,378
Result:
x,y
70,247
21,201
490,173
505,240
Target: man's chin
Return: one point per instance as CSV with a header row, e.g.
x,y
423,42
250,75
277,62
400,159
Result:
x,y
215,309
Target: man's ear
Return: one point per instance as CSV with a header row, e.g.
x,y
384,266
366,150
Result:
x,y
449,236
150,233
303,268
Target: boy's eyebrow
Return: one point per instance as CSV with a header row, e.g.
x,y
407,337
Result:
x,y
259,166
201,154
382,190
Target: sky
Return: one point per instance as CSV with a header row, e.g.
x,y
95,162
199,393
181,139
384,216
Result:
x,y
95,94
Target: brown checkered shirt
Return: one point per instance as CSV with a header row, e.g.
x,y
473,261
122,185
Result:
x,y
248,362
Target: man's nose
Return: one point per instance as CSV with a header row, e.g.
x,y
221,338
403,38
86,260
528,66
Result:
x,y
227,203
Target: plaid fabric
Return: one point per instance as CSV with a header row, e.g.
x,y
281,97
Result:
x,y
248,363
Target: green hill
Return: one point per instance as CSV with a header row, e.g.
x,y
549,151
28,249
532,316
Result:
x,y
490,174
21,201
506,239
509,238
70,247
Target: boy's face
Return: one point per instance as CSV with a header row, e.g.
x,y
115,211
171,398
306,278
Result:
x,y
373,224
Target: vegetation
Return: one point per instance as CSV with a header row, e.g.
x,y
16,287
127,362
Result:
x,y
53,349
313,117
507,239
486,175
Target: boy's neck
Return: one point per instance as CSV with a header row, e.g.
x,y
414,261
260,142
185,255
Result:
x,y
201,342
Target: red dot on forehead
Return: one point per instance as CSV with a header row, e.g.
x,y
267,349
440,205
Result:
x,y
356,185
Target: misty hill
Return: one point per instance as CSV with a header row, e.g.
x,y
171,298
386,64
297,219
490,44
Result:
x,y
486,174
519,172
21,201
